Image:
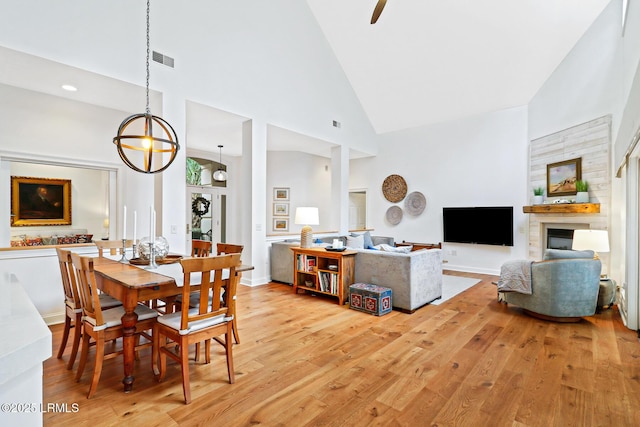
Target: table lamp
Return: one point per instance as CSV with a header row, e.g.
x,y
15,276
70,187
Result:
x,y
595,240
306,216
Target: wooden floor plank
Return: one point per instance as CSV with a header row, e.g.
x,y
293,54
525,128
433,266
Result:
x,y
304,360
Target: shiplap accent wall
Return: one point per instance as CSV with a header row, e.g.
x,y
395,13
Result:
x,y
589,141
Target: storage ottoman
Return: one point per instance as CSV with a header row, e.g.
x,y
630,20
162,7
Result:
x,y
369,298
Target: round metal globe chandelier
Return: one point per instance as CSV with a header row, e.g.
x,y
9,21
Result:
x,y
147,143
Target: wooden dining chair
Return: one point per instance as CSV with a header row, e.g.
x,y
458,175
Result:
x,y
230,248
200,248
73,305
224,249
103,325
112,247
193,325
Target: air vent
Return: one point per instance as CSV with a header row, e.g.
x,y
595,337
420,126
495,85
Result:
x,y
162,59
336,124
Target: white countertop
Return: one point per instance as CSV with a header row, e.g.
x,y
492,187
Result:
x,y
25,340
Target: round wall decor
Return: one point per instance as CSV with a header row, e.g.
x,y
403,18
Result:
x,y
394,215
415,203
394,188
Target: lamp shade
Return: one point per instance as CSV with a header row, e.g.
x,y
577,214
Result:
x,y
307,216
595,240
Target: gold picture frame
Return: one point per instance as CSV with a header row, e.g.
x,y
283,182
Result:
x,y
40,201
562,177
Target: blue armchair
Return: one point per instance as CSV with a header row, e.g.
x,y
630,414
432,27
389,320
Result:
x,y
564,287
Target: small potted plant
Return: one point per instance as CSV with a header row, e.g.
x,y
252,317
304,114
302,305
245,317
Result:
x,y
538,195
582,191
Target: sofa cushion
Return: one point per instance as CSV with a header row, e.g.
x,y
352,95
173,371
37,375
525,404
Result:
x,y
355,242
564,254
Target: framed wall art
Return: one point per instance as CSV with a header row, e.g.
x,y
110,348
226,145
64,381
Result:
x,y
562,177
280,224
281,194
281,209
40,201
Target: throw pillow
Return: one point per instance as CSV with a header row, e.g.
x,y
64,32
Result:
x,y
356,242
368,242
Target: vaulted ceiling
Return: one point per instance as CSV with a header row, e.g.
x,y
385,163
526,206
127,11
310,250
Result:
x,y
428,61
423,62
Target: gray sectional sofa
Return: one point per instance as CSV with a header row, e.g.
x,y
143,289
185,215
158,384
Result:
x,y
415,278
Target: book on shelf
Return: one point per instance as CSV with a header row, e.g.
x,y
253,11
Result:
x,y
306,263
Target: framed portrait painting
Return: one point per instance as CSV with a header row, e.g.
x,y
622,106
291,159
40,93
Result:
x,y
281,194
40,201
562,177
281,224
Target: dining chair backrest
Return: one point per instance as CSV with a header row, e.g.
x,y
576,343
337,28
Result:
x,y
229,248
200,248
112,247
89,297
69,283
211,284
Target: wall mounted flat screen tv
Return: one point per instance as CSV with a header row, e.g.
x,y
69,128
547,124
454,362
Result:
x,y
485,225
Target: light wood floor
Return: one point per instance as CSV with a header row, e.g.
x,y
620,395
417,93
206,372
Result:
x,y
303,360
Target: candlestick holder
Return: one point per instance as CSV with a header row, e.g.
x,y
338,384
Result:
x,y
134,251
152,257
124,251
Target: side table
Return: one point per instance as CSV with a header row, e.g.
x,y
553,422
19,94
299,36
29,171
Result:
x,y
606,294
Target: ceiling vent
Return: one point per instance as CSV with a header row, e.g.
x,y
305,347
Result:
x,y
163,59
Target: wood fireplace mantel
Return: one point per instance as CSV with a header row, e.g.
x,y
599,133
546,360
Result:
x,y
585,208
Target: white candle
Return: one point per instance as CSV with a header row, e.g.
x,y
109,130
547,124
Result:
x,y
135,221
153,228
124,224
150,223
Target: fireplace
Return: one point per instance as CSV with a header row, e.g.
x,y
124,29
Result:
x,y
559,238
558,234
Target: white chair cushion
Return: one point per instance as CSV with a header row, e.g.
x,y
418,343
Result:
x,y
107,301
173,321
113,317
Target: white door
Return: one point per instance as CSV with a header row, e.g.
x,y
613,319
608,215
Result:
x,y
357,209
204,209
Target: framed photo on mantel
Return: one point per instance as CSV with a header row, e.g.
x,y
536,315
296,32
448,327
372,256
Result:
x,y
40,201
562,177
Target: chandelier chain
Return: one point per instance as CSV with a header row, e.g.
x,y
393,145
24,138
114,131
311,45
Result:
x,y
147,64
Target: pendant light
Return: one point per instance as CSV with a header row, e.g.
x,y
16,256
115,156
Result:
x,y
149,135
220,174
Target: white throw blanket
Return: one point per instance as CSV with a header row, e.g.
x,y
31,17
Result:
x,y
515,276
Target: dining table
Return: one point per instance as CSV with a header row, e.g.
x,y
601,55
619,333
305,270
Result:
x,y
135,283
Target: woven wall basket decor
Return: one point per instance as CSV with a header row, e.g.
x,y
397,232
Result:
x,y
415,203
394,188
394,215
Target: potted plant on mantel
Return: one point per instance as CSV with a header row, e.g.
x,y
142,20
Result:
x,y
538,195
582,191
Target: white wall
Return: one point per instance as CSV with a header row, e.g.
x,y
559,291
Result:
x,y
479,161
586,85
308,178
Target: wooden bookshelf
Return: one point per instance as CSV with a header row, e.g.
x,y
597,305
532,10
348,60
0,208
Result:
x,y
324,272
585,208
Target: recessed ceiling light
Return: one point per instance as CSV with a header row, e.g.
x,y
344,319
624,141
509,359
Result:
x,y
69,88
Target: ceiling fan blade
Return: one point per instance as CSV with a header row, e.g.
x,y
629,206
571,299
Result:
x,y
378,10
